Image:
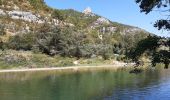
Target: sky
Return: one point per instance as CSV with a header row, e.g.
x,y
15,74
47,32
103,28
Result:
x,y
122,11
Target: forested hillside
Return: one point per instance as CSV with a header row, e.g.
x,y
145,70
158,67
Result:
x,y
31,26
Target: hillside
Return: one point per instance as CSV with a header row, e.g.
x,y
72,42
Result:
x,y
30,25
32,14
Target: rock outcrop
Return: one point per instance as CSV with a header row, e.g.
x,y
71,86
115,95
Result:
x,y
22,17
100,21
26,16
87,11
2,13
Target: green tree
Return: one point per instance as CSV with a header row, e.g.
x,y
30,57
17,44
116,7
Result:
x,y
163,6
153,44
64,42
22,41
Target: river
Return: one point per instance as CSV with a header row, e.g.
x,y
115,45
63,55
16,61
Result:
x,y
151,84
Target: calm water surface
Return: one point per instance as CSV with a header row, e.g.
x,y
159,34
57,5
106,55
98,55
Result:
x,y
92,85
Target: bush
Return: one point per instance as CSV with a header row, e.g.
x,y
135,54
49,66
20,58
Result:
x,y
2,31
57,14
22,41
14,58
0,2
37,4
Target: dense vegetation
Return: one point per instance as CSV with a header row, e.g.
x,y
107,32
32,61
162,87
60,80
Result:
x,y
75,42
65,42
78,18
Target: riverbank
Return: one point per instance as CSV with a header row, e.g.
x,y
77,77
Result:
x,y
11,59
72,68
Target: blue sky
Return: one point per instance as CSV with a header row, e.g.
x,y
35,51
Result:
x,y
122,11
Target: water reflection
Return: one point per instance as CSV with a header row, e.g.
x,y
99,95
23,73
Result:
x,y
92,85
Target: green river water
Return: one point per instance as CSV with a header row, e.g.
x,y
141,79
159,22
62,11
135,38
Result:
x,y
151,84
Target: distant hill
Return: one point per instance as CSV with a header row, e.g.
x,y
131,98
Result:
x,y
95,24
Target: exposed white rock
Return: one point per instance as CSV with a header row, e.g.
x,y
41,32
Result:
x,y
8,7
99,21
55,21
9,32
38,15
103,30
133,30
102,20
76,62
22,15
2,13
108,29
2,6
68,24
49,15
27,28
16,7
40,21
26,16
87,11
112,29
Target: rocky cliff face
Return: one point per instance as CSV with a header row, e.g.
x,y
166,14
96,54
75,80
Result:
x,y
104,25
21,16
87,11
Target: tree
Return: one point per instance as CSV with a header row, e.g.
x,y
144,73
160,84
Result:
x,y
153,44
162,6
52,41
22,41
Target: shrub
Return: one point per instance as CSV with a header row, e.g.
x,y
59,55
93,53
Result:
x,y
22,41
2,31
37,4
0,2
57,14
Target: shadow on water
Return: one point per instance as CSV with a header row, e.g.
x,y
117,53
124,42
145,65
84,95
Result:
x,y
91,85
136,71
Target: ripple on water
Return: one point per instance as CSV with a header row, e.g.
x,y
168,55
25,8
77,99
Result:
x,y
156,90
118,85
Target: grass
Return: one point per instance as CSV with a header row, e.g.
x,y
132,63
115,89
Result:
x,y
26,59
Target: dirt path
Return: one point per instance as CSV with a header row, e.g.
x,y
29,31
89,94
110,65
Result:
x,y
63,68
